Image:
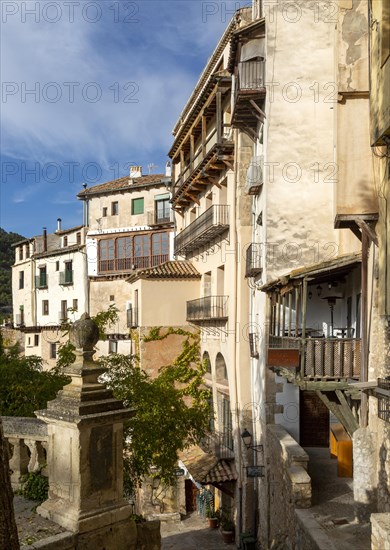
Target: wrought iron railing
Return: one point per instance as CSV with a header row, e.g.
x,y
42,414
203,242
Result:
x,y
253,260
41,280
132,317
324,357
66,277
220,444
210,224
207,308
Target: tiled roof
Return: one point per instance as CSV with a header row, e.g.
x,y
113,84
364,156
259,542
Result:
x,y
123,183
65,231
206,468
175,269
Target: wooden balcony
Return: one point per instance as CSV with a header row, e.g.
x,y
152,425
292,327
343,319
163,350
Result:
x,y
132,263
211,224
323,359
208,308
249,95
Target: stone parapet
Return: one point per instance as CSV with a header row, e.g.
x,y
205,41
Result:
x,y
380,531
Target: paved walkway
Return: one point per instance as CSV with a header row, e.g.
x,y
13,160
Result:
x,y
192,533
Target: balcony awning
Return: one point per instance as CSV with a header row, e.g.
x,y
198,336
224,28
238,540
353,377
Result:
x,y
173,269
206,468
320,271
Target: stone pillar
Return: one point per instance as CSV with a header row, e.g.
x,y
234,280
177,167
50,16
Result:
x,y
85,453
364,486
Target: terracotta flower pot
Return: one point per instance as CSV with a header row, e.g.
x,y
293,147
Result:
x,y
213,523
227,536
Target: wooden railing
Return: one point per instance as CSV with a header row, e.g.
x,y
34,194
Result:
x,y
328,358
210,224
136,262
251,75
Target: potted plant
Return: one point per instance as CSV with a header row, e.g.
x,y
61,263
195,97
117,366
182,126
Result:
x,y
213,517
227,528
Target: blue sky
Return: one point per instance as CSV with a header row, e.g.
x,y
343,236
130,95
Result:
x,y
89,87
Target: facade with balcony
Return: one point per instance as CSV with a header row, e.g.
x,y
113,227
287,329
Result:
x,y
49,287
210,159
129,228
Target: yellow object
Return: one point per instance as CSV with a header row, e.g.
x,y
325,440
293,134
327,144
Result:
x,y
341,448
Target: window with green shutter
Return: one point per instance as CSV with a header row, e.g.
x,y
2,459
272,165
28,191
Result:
x,y
137,206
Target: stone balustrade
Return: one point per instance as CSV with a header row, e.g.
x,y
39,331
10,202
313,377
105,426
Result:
x,y
27,440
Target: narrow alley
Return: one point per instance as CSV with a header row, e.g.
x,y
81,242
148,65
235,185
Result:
x,y
191,534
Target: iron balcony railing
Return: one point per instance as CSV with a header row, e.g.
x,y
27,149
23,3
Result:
x,y
157,218
66,277
41,280
132,317
251,75
253,260
19,319
327,358
207,308
209,225
219,443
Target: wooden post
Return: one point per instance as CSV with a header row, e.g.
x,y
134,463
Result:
x,y
284,314
278,314
364,312
219,116
296,311
304,307
204,136
192,149
289,312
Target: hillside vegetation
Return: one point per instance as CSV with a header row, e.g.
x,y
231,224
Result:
x,y
6,261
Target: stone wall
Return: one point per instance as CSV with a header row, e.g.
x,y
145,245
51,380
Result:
x,y
289,486
380,531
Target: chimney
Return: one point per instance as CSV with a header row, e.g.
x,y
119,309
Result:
x,y
44,239
59,221
135,171
168,170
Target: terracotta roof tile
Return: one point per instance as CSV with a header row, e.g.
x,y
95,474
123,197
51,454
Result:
x,y
206,468
175,269
123,183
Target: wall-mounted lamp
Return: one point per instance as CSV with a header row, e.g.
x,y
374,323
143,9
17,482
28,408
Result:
x,y
319,290
247,439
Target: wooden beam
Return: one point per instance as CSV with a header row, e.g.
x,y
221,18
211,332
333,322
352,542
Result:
x,y
192,149
347,410
368,230
194,199
356,231
204,135
229,164
364,321
257,108
219,116
335,409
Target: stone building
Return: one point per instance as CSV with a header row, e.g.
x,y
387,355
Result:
x,y
49,286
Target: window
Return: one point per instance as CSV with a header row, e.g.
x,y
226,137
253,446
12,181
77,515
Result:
x,y
65,241
29,341
41,281
45,307
27,250
36,339
75,305
112,297
21,279
53,351
137,206
163,211
114,208
104,212
112,346
57,266
20,252
64,311
133,252
78,238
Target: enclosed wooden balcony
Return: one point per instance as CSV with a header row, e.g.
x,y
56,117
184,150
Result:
x,y
211,224
208,308
249,96
316,358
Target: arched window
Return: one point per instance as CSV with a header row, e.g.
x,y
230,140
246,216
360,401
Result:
x,y
220,368
207,362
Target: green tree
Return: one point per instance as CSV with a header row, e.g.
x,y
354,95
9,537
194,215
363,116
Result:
x,y
172,411
6,261
24,387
